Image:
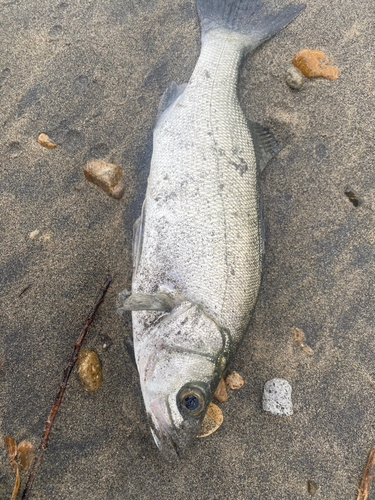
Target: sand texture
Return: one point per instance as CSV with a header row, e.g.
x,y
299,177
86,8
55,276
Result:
x,y
90,74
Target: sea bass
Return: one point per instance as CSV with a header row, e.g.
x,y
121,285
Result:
x,y
197,246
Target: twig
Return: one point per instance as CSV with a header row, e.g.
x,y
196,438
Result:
x,y
49,422
23,290
368,476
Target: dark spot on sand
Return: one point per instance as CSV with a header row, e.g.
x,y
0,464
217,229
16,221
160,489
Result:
x,y
99,151
56,31
80,84
353,198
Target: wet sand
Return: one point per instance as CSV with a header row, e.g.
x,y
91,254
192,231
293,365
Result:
x,y
90,75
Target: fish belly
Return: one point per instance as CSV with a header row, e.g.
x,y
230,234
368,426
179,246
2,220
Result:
x,y
201,233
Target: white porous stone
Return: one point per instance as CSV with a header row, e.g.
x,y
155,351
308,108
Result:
x,y
277,397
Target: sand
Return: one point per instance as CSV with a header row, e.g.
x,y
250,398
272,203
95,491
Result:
x,y
90,75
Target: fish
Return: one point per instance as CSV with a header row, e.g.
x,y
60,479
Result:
x,y
198,244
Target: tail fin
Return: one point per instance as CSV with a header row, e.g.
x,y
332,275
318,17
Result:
x,y
245,16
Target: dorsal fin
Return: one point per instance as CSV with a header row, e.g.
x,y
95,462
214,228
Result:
x,y
265,145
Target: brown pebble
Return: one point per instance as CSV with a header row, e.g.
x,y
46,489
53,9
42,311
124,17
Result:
x,y
107,176
212,421
312,487
89,370
234,381
221,392
299,338
314,64
26,454
45,141
118,191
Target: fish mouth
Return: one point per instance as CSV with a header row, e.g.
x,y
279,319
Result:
x,y
171,437
167,446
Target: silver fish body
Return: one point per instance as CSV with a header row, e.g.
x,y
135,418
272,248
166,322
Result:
x,y
199,243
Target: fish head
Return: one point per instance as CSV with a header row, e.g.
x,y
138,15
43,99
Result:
x,y
180,362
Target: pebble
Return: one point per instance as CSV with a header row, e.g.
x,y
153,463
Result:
x,y
312,487
45,141
34,234
46,236
212,421
107,341
294,78
107,176
221,392
89,370
313,64
234,381
299,338
277,397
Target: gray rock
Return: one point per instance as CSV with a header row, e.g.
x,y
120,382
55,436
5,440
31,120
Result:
x,y
277,397
294,78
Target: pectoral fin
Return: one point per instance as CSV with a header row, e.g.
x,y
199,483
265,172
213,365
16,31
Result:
x,y
170,95
265,145
145,302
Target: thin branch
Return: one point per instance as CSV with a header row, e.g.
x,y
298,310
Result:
x,y
49,422
368,476
23,290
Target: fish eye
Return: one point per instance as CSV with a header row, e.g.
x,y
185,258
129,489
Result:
x,y
192,401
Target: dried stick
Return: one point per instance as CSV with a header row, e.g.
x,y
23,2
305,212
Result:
x,y
60,393
23,290
368,476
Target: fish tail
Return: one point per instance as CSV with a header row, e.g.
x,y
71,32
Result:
x,y
245,16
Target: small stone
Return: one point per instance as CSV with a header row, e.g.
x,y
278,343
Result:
x,y
312,487
234,381
46,236
221,392
107,176
294,78
299,339
89,370
45,141
212,421
118,191
107,341
34,234
314,64
277,397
